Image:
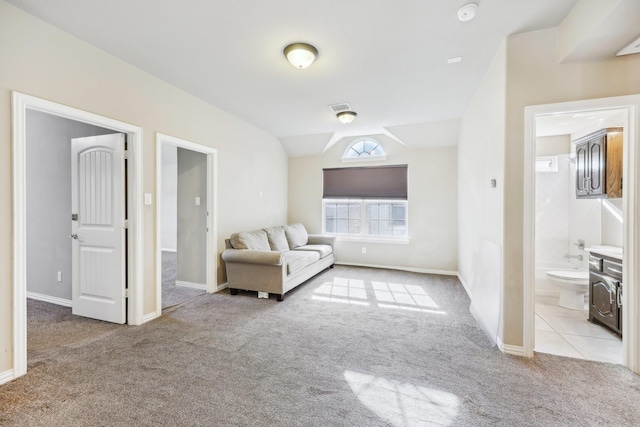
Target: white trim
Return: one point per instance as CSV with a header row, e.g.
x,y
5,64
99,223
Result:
x,y
202,286
47,298
464,285
347,238
7,376
150,316
363,159
631,210
224,285
212,208
513,350
168,250
401,268
20,103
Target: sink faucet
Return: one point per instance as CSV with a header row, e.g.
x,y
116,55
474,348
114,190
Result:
x,y
580,244
578,257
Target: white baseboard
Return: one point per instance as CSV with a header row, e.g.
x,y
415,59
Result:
x,y
150,316
53,300
394,267
222,286
513,350
464,285
202,286
168,250
6,376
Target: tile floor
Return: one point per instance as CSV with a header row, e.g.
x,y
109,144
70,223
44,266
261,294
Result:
x,y
568,333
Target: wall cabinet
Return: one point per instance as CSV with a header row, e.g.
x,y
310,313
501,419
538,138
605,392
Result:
x,y
599,164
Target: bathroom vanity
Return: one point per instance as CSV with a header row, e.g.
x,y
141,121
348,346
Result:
x,y
605,287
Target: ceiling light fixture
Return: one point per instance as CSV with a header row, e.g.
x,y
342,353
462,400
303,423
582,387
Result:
x,y
346,117
467,12
300,55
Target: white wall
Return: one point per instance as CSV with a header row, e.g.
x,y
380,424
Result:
x,y
40,60
432,206
169,197
49,201
480,206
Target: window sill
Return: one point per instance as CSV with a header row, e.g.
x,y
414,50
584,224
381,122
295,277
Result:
x,y
397,241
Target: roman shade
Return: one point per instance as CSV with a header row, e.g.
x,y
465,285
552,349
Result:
x,y
374,182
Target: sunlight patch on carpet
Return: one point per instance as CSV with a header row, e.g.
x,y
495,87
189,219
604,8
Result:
x,y
403,404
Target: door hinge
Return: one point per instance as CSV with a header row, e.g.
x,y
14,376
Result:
x,y
126,292
125,224
125,154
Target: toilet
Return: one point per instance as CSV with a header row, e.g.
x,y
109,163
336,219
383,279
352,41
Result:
x,y
573,285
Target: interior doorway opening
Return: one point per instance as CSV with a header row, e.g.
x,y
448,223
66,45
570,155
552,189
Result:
x,y
186,220
22,105
629,106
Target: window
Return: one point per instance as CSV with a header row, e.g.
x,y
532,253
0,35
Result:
x,y
364,149
366,202
365,218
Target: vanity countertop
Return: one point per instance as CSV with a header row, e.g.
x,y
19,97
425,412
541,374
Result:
x,y
606,251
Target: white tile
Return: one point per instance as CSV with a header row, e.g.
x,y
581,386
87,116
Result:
x,y
601,350
541,325
572,326
554,343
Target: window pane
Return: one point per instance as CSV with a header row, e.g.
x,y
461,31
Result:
x,y
343,210
385,211
372,211
354,210
399,228
354,226
330,210
373,227
330,225
399,212
343,226
385,228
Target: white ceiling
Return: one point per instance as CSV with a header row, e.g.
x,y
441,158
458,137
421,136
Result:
x,y
387,59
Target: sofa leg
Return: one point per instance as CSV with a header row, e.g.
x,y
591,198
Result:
x,y
331,266
233,291
280,297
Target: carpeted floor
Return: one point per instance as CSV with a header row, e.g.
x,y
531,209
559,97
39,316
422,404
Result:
x,y
172,294
351,347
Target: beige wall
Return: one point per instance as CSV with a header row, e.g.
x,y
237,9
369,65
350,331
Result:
x,y
480,159
534,77
42,61
432,206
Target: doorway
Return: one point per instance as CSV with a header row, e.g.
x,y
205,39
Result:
x,y
629,106
185,220
21,105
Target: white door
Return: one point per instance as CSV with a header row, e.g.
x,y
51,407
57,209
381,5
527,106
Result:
x,y
98,232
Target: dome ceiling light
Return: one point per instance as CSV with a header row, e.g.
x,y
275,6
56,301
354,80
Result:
x,y
300,55
346,117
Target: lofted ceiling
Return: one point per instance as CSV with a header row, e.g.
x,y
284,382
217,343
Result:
x,y
387,59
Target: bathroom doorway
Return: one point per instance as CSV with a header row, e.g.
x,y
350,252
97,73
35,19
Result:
x,y
567,115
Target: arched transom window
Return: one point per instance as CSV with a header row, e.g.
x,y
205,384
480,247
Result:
x,y
364,148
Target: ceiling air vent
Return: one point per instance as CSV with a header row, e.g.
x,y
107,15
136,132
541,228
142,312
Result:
x,y
336,108
633,47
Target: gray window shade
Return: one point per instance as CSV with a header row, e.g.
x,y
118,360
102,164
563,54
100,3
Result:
x,y
376,182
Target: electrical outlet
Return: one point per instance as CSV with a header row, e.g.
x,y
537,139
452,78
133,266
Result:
x,y
364,250
59,276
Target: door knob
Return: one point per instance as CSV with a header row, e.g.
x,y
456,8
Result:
x,y
74,236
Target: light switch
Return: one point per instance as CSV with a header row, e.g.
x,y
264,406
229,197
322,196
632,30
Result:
x,y
197,201
147,198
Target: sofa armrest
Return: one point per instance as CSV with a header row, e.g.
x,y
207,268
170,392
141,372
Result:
x,y
248,256
319,239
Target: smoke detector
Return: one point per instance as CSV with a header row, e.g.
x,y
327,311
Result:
x,y
467,12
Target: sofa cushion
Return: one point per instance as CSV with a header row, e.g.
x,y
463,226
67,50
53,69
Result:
x,y
297,260
277,239
296,235
323,250
255,240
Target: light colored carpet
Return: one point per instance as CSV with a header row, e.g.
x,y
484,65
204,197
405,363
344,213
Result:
x,y
351,347
172,294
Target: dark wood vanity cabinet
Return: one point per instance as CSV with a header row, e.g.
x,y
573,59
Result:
x,y
599,164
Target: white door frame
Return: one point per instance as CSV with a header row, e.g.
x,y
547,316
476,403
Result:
x,y
212,209
631,211
20,103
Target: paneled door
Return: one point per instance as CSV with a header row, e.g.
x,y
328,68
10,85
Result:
x,y
98,227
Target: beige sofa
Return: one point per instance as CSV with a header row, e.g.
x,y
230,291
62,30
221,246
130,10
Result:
x,y
276,259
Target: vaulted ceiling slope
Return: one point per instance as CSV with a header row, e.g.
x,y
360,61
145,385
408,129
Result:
x,y
387,59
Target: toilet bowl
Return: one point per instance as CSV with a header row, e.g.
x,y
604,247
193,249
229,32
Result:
x,y
573,285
